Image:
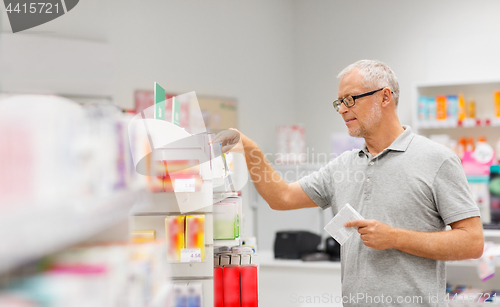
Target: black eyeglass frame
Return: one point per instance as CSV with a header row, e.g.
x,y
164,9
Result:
x,y
336,103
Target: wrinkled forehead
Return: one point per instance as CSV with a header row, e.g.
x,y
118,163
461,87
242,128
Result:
x,y
351,84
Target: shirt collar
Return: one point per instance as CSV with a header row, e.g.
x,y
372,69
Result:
x,y
401,143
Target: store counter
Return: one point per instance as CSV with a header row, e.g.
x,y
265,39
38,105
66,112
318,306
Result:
x,y
297,283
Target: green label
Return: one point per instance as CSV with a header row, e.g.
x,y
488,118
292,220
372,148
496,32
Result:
x,y
159,102
176,112
227,106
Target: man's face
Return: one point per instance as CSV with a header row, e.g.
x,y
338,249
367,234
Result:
x,y
362,118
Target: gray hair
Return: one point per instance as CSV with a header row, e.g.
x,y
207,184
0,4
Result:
x,y
375,74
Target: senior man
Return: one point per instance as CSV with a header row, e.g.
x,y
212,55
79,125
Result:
x,y
407,188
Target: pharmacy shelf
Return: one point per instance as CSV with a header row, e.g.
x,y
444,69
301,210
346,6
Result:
x,y
479,90
38,230
467,123
162,296
228,243
220,196
150,214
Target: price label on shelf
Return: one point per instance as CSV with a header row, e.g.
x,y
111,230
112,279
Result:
x,y
185,185
190,255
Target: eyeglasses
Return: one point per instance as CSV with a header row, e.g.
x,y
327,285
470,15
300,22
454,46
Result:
x,y
350,100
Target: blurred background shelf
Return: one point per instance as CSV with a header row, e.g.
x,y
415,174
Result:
x,y
469,263
467,123
483,123
35,231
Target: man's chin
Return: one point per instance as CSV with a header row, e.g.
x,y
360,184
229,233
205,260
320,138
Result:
x,y
356,133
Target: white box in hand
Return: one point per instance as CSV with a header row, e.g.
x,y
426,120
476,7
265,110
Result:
x,y
336,226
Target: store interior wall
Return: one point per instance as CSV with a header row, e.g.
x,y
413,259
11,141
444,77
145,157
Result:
x,y
421,41
280,58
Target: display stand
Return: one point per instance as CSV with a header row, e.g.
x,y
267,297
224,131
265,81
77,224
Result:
x,y
151,214
484,124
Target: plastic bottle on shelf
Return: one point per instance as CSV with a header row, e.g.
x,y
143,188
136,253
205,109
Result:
x,y
431,109
497,103
469,144
441,107
471,109
461,147
452,108
461,107
483,152
422,109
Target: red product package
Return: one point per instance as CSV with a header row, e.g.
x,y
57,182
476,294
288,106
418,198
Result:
x,y
218,287
231,285
249,286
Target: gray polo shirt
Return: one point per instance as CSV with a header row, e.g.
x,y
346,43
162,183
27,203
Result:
x,y
414,184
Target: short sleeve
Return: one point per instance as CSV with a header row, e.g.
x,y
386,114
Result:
x,y
319,186
452,193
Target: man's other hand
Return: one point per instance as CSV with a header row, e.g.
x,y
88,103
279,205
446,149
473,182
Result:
x,y
374,234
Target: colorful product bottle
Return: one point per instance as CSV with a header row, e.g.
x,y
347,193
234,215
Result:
x,y
422,109
469,145
461,107
497,104
249,286
441,107
461,147
452,108
483,152
471,109
218,287
431,108
231,286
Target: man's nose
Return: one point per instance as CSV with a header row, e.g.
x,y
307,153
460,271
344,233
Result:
x,y
342,108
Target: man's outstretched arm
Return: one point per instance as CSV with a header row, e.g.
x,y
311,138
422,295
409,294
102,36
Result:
x,y
276,192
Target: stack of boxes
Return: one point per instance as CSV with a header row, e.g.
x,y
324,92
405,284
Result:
x,y
184,232
236,278
235,269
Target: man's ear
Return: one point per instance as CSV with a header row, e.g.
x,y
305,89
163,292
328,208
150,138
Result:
x,y
387,98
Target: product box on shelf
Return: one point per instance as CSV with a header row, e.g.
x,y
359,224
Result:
x,y
225,220
236,277
174,234
195,233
